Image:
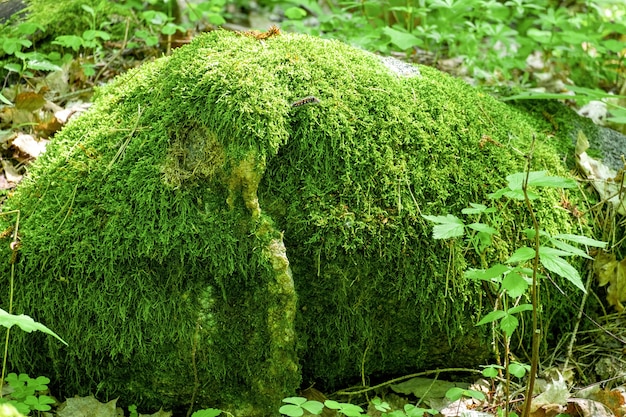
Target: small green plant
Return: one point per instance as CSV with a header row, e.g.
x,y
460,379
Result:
x,y
28,394
13,45
296,406
495,38
132,411
517,277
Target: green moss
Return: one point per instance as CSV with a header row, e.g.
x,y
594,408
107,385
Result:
x,y
171,227
52,16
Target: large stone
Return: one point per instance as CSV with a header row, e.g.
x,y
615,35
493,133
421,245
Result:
x,y
199,234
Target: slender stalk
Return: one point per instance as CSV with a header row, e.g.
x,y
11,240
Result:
x,y
14,248
536,337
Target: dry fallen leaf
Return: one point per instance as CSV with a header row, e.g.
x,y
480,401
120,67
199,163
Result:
x,y
10,172
612,272
87,407
605,180
28,145
552,401
48,127
72,110
29,101
17,117
588,408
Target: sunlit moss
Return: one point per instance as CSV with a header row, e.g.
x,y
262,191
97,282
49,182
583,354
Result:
x,y
173,250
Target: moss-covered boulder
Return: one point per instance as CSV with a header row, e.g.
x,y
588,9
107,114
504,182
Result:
x,y
247,213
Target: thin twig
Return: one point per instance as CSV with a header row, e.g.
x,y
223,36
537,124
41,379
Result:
x,y
405,377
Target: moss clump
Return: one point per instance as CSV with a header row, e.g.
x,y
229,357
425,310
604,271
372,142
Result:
x,y
52,17
170,228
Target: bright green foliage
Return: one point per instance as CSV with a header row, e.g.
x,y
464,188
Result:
x,y
514,279
171,226
28,394
296,406
132,411
207,412
513,282
25,323
455,393
349,410
493,37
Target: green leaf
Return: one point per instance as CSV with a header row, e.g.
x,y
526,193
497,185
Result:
x,y
491,371
207,412
25,323
538,179
13,45
291,410
295,400
583,240
552,182
20,406
5,100
42,65
540,36
514,284
40,383
349,410
495,271
380,405
402,40
520,255
498,194
41,403
492,316
569,249
313,407
508,324
518,369
171,28
561,267
69,41
90,35
477,209
482,227
88,9
454,393
477,395
28,28
449,226
520,308
216,19
295,13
